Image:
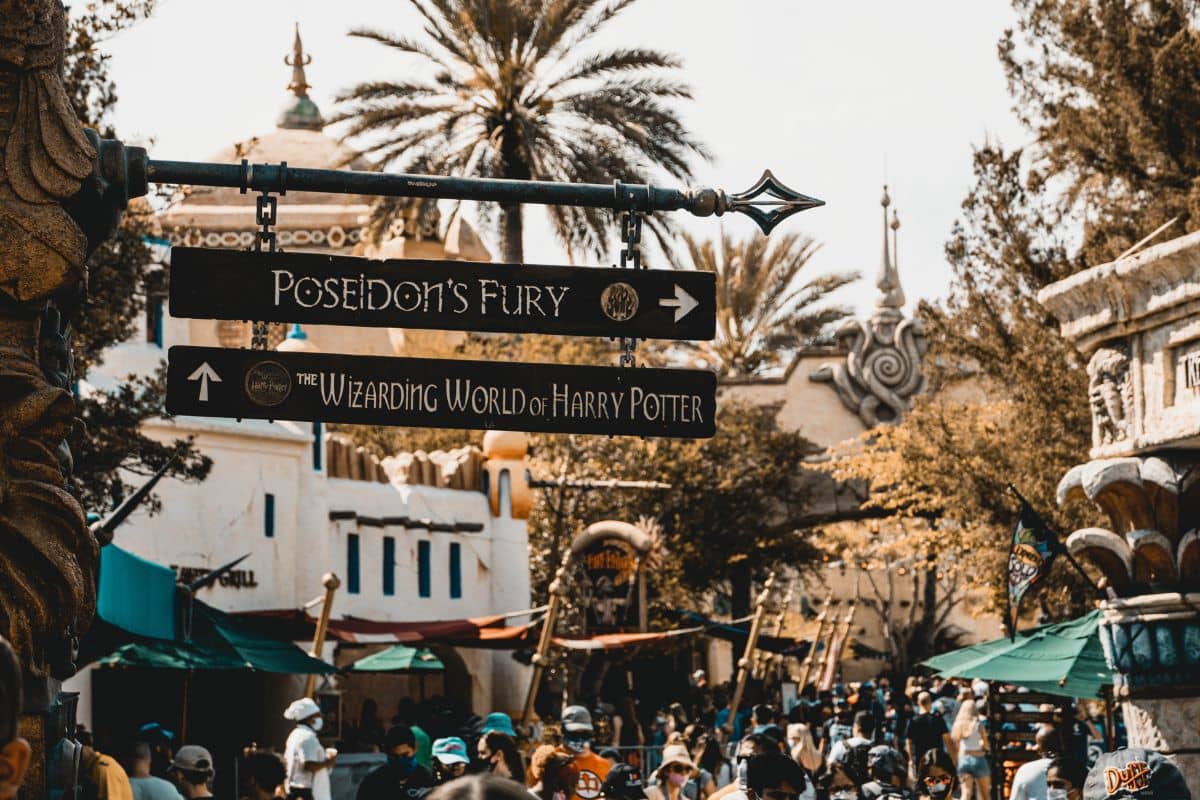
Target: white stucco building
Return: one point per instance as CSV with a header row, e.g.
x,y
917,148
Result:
x,y
415,538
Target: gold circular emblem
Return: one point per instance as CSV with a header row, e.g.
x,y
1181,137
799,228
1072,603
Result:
x,y
268,383
619,302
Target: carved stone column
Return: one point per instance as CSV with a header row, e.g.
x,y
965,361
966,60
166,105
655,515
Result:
x,y
1138,322
53,210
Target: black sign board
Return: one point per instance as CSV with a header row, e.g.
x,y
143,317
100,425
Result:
x,y
444,295
440,393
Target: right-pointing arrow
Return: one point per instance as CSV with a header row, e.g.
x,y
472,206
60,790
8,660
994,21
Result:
x,y
682,302
204,373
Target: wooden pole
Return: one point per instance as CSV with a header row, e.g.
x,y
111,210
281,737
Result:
x,y
746,663
811,657
1110,722
762,658
558,590
331,584
836,644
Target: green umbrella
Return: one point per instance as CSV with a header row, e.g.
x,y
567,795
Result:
x,y
1062,659
399,658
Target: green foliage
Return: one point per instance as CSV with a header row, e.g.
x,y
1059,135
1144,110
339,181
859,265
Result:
x,y
730,506
1109,88
510,95
120,273
765,312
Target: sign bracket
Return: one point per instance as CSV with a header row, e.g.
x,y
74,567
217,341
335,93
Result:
x,y
266,214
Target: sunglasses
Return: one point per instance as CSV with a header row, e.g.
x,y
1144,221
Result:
x,y
678,769
933,781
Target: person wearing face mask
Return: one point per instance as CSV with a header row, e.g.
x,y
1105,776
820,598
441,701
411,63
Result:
x,y
675,778
838,784
450,759
401,776
499,755
1029,783
888,774
750,746
591,769
937,777
308,762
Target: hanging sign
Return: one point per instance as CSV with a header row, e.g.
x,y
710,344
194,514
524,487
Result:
x,y
610,576
444,295
440,393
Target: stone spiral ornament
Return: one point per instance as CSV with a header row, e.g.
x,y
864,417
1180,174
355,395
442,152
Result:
x,y
882,370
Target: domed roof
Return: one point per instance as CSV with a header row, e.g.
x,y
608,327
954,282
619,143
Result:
x,y
298,139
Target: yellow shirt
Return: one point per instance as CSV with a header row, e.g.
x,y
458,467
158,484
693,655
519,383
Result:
x,y
110,779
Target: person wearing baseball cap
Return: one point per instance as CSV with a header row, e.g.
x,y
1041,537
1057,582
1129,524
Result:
x,y
308,762
450,759
590,768
192,769
1134,773
624,782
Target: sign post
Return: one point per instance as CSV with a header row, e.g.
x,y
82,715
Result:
x,y
440,393
445,295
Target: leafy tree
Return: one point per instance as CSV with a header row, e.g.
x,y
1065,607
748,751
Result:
x,y
510,96
765,310
727,516
1109,89
120,273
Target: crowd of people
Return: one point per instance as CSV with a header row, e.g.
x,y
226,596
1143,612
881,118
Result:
x,y
865,741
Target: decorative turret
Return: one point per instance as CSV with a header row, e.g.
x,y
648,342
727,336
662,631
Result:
x,y
297,341
301,113
882,370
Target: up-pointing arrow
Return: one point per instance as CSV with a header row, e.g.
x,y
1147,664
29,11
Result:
x,y
682,302
205,373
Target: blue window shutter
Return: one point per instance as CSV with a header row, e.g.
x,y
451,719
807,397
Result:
x,y
318,445
389,565
423,582
455,570
269,515
352,576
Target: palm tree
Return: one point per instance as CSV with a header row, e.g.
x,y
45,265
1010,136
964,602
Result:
x,y
764,311
509,96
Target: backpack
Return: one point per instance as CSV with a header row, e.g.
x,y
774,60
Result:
x,y
855,763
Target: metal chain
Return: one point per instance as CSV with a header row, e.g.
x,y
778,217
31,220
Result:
x,y
265,215
631,258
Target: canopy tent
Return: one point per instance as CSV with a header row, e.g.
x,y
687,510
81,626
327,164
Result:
x,y
140,603
1063,659
400,658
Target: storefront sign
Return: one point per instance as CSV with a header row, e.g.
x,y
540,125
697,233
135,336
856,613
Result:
x,y
440,393
443,295
610,585
1191,370
233,579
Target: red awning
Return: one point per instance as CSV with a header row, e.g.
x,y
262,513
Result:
x,y
484,632
617,641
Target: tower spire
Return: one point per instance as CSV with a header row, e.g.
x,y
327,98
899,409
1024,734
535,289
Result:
x,y
301,113
298,61
891,295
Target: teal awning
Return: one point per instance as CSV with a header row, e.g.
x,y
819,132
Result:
x,y
399,658
1062,659
138,599
136,595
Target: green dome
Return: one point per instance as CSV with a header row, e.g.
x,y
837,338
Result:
x,y
301,113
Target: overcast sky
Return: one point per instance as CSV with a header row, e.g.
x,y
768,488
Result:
x,y
828,95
